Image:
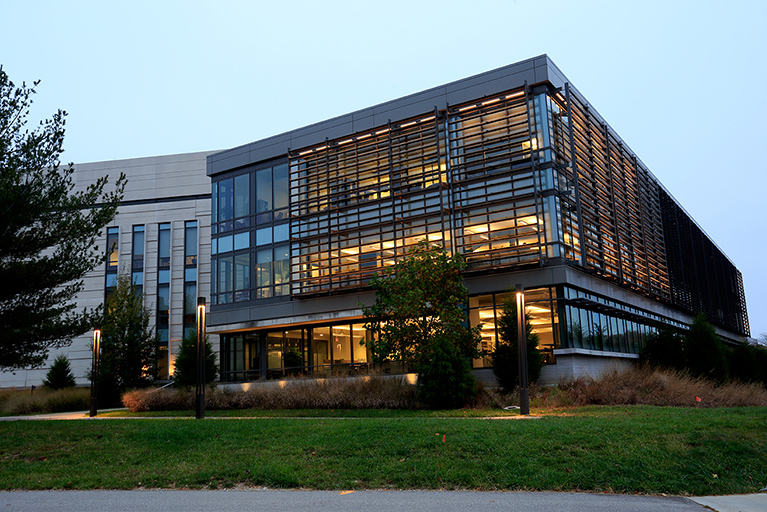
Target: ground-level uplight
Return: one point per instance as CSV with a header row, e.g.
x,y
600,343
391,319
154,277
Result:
x,y
524,397
200,394
95,371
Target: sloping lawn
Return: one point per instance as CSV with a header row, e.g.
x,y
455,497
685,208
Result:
x,y
640,449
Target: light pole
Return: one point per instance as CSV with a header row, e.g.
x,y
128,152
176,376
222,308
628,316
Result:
x,y
524,397
95,371
200,395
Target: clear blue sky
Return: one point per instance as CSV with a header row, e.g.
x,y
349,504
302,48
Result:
x,y
680,81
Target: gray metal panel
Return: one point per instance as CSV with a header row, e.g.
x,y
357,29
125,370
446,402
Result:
x,y
535,70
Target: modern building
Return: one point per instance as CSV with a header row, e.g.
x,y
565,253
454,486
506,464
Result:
x,y
161,235
512,168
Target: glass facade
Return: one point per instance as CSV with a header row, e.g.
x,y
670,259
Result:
x,y
137,257
526,179
163,298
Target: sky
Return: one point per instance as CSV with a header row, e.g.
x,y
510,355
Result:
x,y
677,80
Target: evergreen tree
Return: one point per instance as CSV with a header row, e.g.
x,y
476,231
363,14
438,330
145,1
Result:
x,y
664,349
419,317
506,353
128,342
185,374
59,375
47,233
705,353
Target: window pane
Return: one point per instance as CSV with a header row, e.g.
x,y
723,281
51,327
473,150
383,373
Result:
x,y
281,187
242,195
242,272
281,232
112,248
163,251
190,274
241,241
225,274
264,236
225,197
281,265
225,244
190,243
214,203
264,268
264,190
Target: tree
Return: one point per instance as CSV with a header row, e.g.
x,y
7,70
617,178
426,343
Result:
x,y
59,375
47,233
705,353
419,317
664,348
128,342
185,374
506,353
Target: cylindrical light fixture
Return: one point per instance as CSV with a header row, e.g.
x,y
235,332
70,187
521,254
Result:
x,y
95,371
524,397
200,394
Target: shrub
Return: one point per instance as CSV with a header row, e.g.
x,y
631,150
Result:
x,y
664,349
705,353
446,382
59,376
373,392
45,401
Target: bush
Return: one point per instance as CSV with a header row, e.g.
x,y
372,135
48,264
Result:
x,y
59,376
705,353
46,401
445,381
664,349
373,392
748,363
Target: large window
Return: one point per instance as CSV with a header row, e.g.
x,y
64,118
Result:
x,y
137,258
250,243
112,266
163,297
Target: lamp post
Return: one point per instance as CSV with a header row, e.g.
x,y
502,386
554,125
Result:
x,y
524,397
200,395
95,371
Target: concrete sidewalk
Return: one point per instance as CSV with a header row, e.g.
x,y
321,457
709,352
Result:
x,y
735,502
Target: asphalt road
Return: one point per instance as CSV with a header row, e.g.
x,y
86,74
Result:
x,y
401,501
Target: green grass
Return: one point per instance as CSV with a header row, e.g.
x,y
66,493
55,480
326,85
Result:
x,y
640,449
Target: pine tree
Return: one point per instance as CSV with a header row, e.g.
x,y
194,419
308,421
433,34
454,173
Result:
x,y
506,354
47,233
59,375
185,374
128,342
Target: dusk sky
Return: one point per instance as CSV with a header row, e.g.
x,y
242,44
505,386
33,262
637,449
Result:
x,y
677,80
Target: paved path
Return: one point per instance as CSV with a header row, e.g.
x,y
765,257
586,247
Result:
x,y
372,501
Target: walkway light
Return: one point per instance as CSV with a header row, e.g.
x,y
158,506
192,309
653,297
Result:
x,y
200,395
95,371
524,397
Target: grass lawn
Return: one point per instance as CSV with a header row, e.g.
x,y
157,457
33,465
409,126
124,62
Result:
x,y
642,449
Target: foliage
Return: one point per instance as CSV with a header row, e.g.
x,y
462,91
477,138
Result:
x,y
664,349
45,400
47,233
419,312
128,343
446,381
185,374
705,353
59,375
506,353
748,363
